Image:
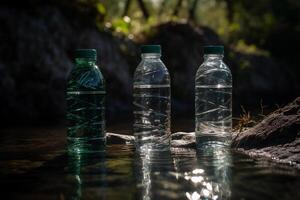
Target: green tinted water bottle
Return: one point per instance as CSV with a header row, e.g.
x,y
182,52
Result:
x,y
85,104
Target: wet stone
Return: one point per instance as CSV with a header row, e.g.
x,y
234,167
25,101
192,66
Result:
x,y
276,137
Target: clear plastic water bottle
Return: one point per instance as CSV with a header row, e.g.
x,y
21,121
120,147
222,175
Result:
x,y
85,104
213,99
152,103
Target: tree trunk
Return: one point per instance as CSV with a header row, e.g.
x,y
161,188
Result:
x,y
176,10
192,10
229,6
126,8
143,9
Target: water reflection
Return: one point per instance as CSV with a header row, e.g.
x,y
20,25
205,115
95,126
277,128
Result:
x,y
211,175
151,170
205,173
87,176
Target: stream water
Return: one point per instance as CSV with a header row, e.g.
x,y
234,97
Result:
x,y
45,172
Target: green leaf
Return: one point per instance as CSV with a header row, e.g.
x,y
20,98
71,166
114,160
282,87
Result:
x,y
101,9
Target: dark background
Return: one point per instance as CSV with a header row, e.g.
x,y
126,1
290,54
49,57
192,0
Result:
x,y
38,39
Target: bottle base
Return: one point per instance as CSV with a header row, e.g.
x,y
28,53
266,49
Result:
x,y
86,145
155,145
212,140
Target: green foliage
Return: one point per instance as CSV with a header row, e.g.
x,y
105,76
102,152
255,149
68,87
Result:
x,y
213,14
121,25
270,24
241,46
246,25
100,8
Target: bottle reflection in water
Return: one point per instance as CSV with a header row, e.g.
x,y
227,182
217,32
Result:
x,y
151,171
213,99
211,177
146,177
151,101
85,104
87,172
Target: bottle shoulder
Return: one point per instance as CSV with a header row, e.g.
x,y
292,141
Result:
x,y
151,72
215,65
85,78
212,67
213,73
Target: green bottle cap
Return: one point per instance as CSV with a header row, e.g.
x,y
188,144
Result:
x,y
214,49
86,53
150,49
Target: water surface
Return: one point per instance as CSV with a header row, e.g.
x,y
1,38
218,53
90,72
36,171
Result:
x,y
34,165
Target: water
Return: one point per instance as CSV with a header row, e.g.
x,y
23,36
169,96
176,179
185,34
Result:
x,y
86,124
211,173
152,116
213,113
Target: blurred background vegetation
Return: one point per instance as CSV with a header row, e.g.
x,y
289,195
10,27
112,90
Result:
x,y
264,26
38,37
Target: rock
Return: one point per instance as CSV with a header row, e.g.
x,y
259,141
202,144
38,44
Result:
x,y
179,139
113,138
37,53
276,137
182,139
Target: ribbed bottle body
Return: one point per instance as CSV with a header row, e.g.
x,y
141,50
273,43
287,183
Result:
x,y
152,104
86,108
213,102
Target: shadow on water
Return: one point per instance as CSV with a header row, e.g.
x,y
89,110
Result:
x,y
100,175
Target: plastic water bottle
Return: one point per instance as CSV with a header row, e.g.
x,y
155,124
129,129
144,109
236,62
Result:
x,y
85,104
213,99
151,102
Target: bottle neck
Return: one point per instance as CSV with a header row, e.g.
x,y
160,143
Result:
x,y
85,61
151,55
215,57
